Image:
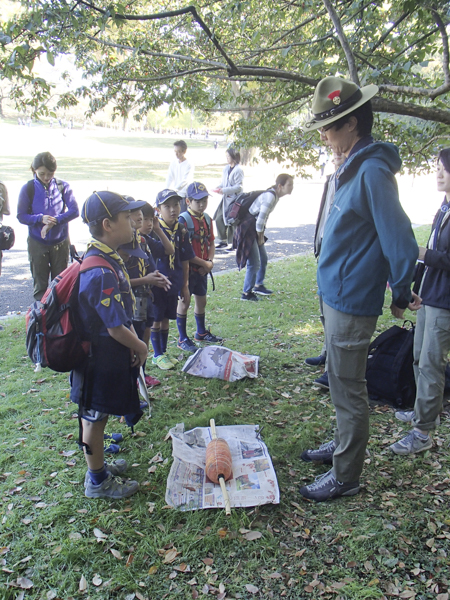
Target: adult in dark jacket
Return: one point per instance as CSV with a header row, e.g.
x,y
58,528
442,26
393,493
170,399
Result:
x,y
367,241
432,335
46,206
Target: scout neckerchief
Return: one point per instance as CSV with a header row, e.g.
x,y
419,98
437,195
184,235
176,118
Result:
x,y
171,234
115,256
202,229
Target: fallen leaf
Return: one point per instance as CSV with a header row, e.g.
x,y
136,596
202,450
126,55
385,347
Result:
x,y
170,555
51,595
116,554
207,561
183,568
152,570
251,588
24,583
82,586
97,580
253,535
99,534
75,536
129,560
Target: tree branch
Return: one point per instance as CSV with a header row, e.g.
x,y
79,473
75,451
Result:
x,y
260,108
343,40
390,30
445,54
411,110
430,141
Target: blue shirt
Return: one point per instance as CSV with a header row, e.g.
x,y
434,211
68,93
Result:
x,y
104,300
183,252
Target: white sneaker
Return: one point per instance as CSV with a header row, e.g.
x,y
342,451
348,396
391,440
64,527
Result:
x,y
408,415
413,443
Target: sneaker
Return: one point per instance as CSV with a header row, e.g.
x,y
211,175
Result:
x,y
323,454
316,361
408,415
172,359
117,467
113,437
249,296
151,381
112,449
327,487
262,290
221,245
230,249
413,443
322,381
163,362
112,487
207,338
187,345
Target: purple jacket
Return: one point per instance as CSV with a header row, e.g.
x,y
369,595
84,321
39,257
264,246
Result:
x,y
47,202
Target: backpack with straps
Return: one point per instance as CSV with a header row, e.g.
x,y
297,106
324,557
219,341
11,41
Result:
x,y
238,208
59,184
191,227
389,372
53,329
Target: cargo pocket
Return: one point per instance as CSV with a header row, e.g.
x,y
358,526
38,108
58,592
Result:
x,y
347,357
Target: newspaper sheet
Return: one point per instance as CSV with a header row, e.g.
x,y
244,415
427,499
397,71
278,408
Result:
x,y
253,481
221,363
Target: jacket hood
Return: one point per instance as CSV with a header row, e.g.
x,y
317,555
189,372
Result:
x,y
384,151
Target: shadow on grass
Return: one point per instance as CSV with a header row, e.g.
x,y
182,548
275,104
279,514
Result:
x,y
85,169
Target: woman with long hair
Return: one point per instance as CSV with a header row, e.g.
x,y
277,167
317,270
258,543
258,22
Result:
x,y
230,187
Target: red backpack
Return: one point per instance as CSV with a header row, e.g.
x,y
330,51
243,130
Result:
x,y
54,336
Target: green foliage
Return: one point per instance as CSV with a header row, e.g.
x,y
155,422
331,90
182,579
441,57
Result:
x,y
266,62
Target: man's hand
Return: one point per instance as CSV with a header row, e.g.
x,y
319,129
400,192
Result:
x,y
416,302
397,312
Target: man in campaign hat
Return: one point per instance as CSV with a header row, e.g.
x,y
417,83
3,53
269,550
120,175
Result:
x,y
367,242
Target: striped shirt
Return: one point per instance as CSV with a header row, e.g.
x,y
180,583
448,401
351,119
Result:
x,y
262,207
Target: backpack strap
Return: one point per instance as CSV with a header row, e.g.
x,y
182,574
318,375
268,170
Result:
x,y
30,189
189,222
59,183
94,261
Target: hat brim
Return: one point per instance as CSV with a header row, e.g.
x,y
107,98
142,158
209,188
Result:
x,y
136,204
368,92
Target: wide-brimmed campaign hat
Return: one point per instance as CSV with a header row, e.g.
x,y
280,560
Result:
x,y
336,97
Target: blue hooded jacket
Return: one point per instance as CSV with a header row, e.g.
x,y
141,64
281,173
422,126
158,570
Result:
x,y
368,239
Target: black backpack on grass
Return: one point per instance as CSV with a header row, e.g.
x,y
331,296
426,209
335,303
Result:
x,y
389,373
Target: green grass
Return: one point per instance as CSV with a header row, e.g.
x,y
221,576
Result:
x,y
390,540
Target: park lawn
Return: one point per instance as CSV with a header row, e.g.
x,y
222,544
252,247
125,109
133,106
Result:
x,y
391,540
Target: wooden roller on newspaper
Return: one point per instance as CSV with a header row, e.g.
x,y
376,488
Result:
x,y
218,463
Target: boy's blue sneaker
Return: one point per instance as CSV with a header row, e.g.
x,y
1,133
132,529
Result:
x,y
116,467
112,487
187,345
207,338
112,449
113,437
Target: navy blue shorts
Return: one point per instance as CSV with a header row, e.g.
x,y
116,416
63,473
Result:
x,y
198,284
164,306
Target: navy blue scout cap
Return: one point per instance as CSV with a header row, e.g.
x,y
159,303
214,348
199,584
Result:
x,y
104,205
165,195
196,191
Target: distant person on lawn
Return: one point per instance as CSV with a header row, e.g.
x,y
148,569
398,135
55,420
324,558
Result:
x,y
46,205
367,241
249,239
181,173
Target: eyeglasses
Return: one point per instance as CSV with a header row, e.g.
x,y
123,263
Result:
x,y
325,129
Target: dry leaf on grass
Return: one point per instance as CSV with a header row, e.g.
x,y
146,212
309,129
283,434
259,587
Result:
x,y
97,580
251,588
152,570
99,534
208,561
170,555
253,535
82,586
24,583
116,554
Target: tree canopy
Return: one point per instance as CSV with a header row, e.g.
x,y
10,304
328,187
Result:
x,y
259,60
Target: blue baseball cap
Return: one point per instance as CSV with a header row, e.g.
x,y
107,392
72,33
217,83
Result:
x,y
196,191
165,195
104,205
